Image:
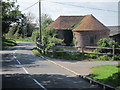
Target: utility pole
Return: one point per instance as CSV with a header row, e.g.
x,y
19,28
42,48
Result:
x,y
40,22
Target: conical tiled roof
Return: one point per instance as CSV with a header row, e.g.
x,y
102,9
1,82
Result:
x,y
90,23
66,22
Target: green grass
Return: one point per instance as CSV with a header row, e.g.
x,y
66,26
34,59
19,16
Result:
x,y
8,42
25,39
107,74
36,52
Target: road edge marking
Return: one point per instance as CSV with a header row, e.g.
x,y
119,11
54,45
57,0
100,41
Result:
x,y
61,66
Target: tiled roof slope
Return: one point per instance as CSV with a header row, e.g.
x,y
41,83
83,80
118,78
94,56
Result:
x,y
114,30
90,23
66,22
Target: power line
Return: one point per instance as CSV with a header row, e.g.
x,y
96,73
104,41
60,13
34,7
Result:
x,y
83,6
30,6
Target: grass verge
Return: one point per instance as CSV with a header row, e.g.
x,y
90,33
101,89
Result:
x,y
36,52
75,56
107,74
8,42
25,39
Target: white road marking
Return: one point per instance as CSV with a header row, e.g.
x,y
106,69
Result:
x,y
25,70
18,62
61,66
39,84
28,73
14,51
14,57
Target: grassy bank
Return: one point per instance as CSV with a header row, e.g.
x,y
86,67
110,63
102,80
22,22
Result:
x,y
61,55
107,74
8,42
36,52
25,39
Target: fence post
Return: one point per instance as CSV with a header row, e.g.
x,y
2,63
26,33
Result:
x,y
113,52
82,51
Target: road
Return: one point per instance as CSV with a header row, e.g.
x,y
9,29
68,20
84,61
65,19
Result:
x,y
22,70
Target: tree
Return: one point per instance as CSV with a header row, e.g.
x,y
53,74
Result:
x,y
22,29
10,14
45,20
49,38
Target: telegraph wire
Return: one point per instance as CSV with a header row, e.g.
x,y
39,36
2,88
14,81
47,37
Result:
x,y
31,6
71,5
83,6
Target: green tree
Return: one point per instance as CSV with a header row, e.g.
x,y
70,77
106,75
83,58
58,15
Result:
x,y
22,29
10,14
49,38
45,20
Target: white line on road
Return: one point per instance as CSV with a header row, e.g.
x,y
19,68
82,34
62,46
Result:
x,y
18,62
60,66
14,57
39,84
63,67
30,75
25,70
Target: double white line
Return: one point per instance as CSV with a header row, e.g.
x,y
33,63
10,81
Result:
x,y
38,83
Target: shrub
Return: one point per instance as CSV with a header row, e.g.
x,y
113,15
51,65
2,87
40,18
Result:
x,y
104,57
35,35
104,42
49,39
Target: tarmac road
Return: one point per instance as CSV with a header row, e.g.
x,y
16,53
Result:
x,y
22,70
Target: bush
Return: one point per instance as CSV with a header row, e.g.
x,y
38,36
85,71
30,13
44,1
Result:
x,y
104,57
49,39
8,42
104,42
35,35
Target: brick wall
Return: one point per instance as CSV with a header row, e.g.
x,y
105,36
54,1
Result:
x,y
89,38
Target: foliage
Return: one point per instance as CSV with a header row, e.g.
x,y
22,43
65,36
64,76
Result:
x,y
104,42
10,14
8,42
25,39
49,38
108,74
46,20
36,52
35,35
104,57
22,29
75,25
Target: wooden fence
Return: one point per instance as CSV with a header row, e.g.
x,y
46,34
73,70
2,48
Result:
x,y
84,48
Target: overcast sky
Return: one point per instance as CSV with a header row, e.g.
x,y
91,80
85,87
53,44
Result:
x,y
104,10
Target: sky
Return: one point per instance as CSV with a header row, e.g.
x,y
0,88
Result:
x,y
106,11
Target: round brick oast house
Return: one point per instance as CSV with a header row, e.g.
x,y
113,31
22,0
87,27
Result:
x,y
64,26
89,31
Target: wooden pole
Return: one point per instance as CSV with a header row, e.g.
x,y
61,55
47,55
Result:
x,y
82,51
40,22
113,52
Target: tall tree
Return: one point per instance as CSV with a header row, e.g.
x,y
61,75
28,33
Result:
x,y
10,14
45,20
